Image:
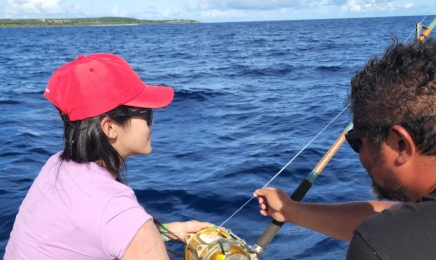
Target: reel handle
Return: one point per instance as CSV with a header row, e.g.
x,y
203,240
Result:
x,y
274,227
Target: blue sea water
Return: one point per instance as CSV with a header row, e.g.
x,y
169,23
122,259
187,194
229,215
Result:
x,y
248,97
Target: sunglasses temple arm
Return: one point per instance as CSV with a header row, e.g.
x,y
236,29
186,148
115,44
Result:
x,y
272,229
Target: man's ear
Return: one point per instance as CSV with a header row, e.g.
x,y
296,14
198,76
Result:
x,y
109,128
401,141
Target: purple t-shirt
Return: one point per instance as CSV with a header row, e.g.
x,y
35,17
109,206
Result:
x,y
75,211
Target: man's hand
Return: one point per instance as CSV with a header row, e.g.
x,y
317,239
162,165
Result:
x,y
273,202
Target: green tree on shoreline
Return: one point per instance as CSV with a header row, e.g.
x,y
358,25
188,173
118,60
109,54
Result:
x,y
50,22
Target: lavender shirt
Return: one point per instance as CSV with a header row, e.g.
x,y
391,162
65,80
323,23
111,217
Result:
x,y
75,211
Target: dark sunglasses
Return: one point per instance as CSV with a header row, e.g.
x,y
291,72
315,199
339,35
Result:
x,y
146,113
354,139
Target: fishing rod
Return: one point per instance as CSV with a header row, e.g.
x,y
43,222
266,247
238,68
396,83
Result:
x,y
214,244
269,233
223,244
427,31
301,191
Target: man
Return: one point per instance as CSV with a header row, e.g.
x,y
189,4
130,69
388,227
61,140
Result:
x,y
393,104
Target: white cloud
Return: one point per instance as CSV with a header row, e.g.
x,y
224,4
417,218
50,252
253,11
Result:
x,y
76,7
116,11
353,6
368,6
171,12
211,10
248,4
29,7
389,7
155,13
284,11
222,14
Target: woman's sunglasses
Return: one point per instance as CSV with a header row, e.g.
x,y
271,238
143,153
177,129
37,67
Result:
x,y
354,139
146,113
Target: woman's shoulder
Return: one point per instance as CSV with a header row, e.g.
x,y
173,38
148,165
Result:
x,y
86,179
95,180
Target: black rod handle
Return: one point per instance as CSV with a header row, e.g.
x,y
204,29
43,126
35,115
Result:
x,y
274,227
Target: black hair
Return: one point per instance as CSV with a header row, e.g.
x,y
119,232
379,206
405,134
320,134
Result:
x,y
85,142
398,88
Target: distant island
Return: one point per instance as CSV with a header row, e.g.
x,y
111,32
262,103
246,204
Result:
x,y
16,23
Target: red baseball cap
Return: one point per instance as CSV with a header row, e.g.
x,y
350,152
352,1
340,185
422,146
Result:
x,y
95,84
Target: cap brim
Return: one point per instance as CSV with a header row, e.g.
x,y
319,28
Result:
x,y
153,97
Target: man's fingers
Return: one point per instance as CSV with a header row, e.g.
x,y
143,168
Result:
x,y
259,193
261,199
264,191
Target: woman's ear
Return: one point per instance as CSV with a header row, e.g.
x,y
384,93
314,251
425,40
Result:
x,y
109,128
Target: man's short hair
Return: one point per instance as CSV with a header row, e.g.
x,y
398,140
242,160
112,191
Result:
x,y
398,88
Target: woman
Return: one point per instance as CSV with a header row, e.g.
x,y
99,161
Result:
x,y
78,206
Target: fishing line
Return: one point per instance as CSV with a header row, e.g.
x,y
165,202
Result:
x,y
419,22
427,14
284,167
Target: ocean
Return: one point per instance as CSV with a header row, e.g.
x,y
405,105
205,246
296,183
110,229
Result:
x,y
248,97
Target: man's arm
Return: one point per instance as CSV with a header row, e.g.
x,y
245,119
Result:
x,y
335,220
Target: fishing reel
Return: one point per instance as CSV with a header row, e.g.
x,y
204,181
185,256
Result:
x,y
217,244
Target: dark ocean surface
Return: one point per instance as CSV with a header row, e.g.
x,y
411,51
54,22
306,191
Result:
x,y
248,97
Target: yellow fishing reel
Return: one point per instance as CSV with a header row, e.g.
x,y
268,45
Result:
x,y
217,244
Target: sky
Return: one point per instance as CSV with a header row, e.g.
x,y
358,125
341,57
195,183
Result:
x,y
215,10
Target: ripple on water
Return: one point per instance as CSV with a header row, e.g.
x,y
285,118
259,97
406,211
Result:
x,y
248,97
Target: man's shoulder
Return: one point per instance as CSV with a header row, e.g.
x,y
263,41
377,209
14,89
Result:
x,y
406,233
409,214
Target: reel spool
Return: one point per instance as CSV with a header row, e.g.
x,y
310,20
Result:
x,y
217,244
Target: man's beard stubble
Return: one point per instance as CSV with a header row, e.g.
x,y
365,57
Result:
x,y
392,189
394,193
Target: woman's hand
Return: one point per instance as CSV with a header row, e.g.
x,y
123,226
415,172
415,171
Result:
x,y
180,229
273,202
